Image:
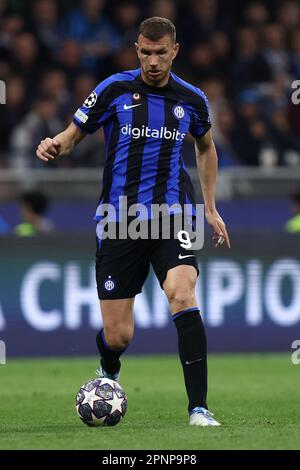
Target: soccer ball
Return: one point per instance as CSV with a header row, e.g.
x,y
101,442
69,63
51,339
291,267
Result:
x,y
101,402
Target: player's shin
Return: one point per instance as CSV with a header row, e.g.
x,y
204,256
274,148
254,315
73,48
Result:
x,y
193,355
110,358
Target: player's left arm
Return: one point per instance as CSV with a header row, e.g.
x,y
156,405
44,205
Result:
x,y
207,163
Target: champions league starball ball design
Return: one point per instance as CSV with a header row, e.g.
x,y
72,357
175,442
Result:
x,y
101,402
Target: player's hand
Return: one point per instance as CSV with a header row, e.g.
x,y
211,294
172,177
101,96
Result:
x,y
219,227
48,149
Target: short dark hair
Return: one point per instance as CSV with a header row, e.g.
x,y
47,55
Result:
x,y
155,28
36,200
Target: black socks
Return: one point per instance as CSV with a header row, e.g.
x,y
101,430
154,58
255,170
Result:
x,y
193,355
192,352
110,358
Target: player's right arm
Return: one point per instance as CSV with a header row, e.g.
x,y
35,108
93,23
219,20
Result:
x,y
62,144
87,120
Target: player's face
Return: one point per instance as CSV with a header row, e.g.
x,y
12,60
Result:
x,y
156,59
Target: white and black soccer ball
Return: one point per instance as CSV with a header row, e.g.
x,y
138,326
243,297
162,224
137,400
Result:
x,y
101,402
91,100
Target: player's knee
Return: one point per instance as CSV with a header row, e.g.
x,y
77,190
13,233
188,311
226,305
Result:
x,y
119,339
180,299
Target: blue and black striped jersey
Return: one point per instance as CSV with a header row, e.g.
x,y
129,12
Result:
x,y
144,129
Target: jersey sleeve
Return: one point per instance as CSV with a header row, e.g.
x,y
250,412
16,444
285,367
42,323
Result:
x,y
200,119
94,111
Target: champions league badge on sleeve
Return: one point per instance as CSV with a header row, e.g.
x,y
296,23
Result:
x,y
109,284
91,100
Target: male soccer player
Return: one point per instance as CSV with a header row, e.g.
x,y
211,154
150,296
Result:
x,y
146,114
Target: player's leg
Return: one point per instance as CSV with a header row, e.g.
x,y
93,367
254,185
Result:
x,y
121,269
177,271
117,332
178,277
179,287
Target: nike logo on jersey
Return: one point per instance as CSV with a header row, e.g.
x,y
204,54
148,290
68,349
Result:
x,y
131,106
184,256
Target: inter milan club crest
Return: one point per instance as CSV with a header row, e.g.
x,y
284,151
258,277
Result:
x,y
109,284
178,111
136,97
91,100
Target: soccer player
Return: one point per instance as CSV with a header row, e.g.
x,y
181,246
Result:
x,y
146,114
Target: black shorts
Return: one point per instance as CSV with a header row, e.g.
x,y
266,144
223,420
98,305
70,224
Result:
x,y
122,266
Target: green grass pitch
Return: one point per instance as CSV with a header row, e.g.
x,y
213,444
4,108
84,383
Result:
x,y
255,397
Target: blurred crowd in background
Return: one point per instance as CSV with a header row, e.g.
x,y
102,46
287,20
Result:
x,y
243,54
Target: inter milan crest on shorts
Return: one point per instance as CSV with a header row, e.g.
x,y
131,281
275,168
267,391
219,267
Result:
x,y
178,111
109,284
91,100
